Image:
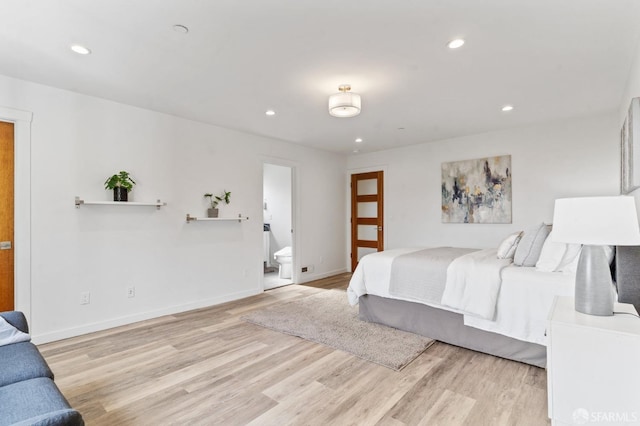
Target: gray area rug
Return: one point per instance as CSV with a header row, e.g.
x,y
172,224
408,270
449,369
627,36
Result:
x,y
328,318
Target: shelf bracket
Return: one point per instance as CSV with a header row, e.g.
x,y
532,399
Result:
x,y
190,218
78,202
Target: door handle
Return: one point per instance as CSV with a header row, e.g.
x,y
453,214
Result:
x,y
5,245
380,228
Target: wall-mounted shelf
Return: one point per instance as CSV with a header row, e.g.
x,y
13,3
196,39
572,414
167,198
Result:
x,y
79,202
190,218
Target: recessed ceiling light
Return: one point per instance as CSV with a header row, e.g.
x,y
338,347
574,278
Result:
x,y
270,112
80,49
454,44
507,108
355,151
358,140
180,29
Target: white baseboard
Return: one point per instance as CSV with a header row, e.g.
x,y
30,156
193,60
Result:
x,y
129,319
305,277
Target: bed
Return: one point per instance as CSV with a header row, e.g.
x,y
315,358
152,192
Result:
x,y
516,327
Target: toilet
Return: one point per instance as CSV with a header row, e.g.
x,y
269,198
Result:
x,y
283,257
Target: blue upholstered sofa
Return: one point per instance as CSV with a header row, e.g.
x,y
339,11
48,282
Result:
x,y
28,395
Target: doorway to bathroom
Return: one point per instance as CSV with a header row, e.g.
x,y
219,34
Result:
x,y
278,253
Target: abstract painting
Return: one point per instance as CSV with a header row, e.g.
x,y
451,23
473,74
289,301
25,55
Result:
x,y
477,191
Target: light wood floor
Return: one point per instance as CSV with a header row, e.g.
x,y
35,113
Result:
x,y
209,367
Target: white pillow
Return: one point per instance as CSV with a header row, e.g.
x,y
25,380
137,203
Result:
x,y
572,266
551,255
507,247
530,245
569,261
609,251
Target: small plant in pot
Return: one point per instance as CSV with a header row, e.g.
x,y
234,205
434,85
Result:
x,y
225,197
121,183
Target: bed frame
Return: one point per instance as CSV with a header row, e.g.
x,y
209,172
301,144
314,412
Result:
x,y
448,327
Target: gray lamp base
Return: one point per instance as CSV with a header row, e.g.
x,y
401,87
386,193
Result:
x,y
594,288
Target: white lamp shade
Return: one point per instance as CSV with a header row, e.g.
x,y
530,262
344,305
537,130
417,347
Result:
x,y
596,221
344,104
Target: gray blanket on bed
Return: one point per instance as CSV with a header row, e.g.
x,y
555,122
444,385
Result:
x,y
421,275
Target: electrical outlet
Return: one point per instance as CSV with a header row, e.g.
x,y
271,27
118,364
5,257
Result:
x,y
131,292
305,269
85,298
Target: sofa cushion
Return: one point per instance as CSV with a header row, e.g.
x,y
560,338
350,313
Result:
x,y
21,361
66,417
36,402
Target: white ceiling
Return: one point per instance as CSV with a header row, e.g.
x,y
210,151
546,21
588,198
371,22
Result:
x,y
552,59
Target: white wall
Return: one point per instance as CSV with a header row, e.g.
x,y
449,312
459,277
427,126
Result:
x,y
632,88
77,141
277,194
571,158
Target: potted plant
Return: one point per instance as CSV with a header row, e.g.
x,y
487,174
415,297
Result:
x,y
214,200
121,183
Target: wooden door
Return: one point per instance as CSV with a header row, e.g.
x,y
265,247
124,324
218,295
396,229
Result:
x,y
6,216
366,215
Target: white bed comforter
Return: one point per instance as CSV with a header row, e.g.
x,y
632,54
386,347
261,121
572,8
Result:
x,y
473,283
521,308
373,274
524,302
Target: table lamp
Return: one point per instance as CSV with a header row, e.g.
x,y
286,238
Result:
x,y
595,222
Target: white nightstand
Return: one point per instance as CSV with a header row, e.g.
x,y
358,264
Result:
x,y
593,366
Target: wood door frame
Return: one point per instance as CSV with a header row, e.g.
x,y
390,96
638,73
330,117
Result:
x,y
22,206
355,171
7,211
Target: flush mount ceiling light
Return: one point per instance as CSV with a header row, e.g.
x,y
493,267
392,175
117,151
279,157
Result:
x,y
345,103
81,50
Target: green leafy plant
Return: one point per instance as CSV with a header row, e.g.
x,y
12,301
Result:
x,y
121,179
215,199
